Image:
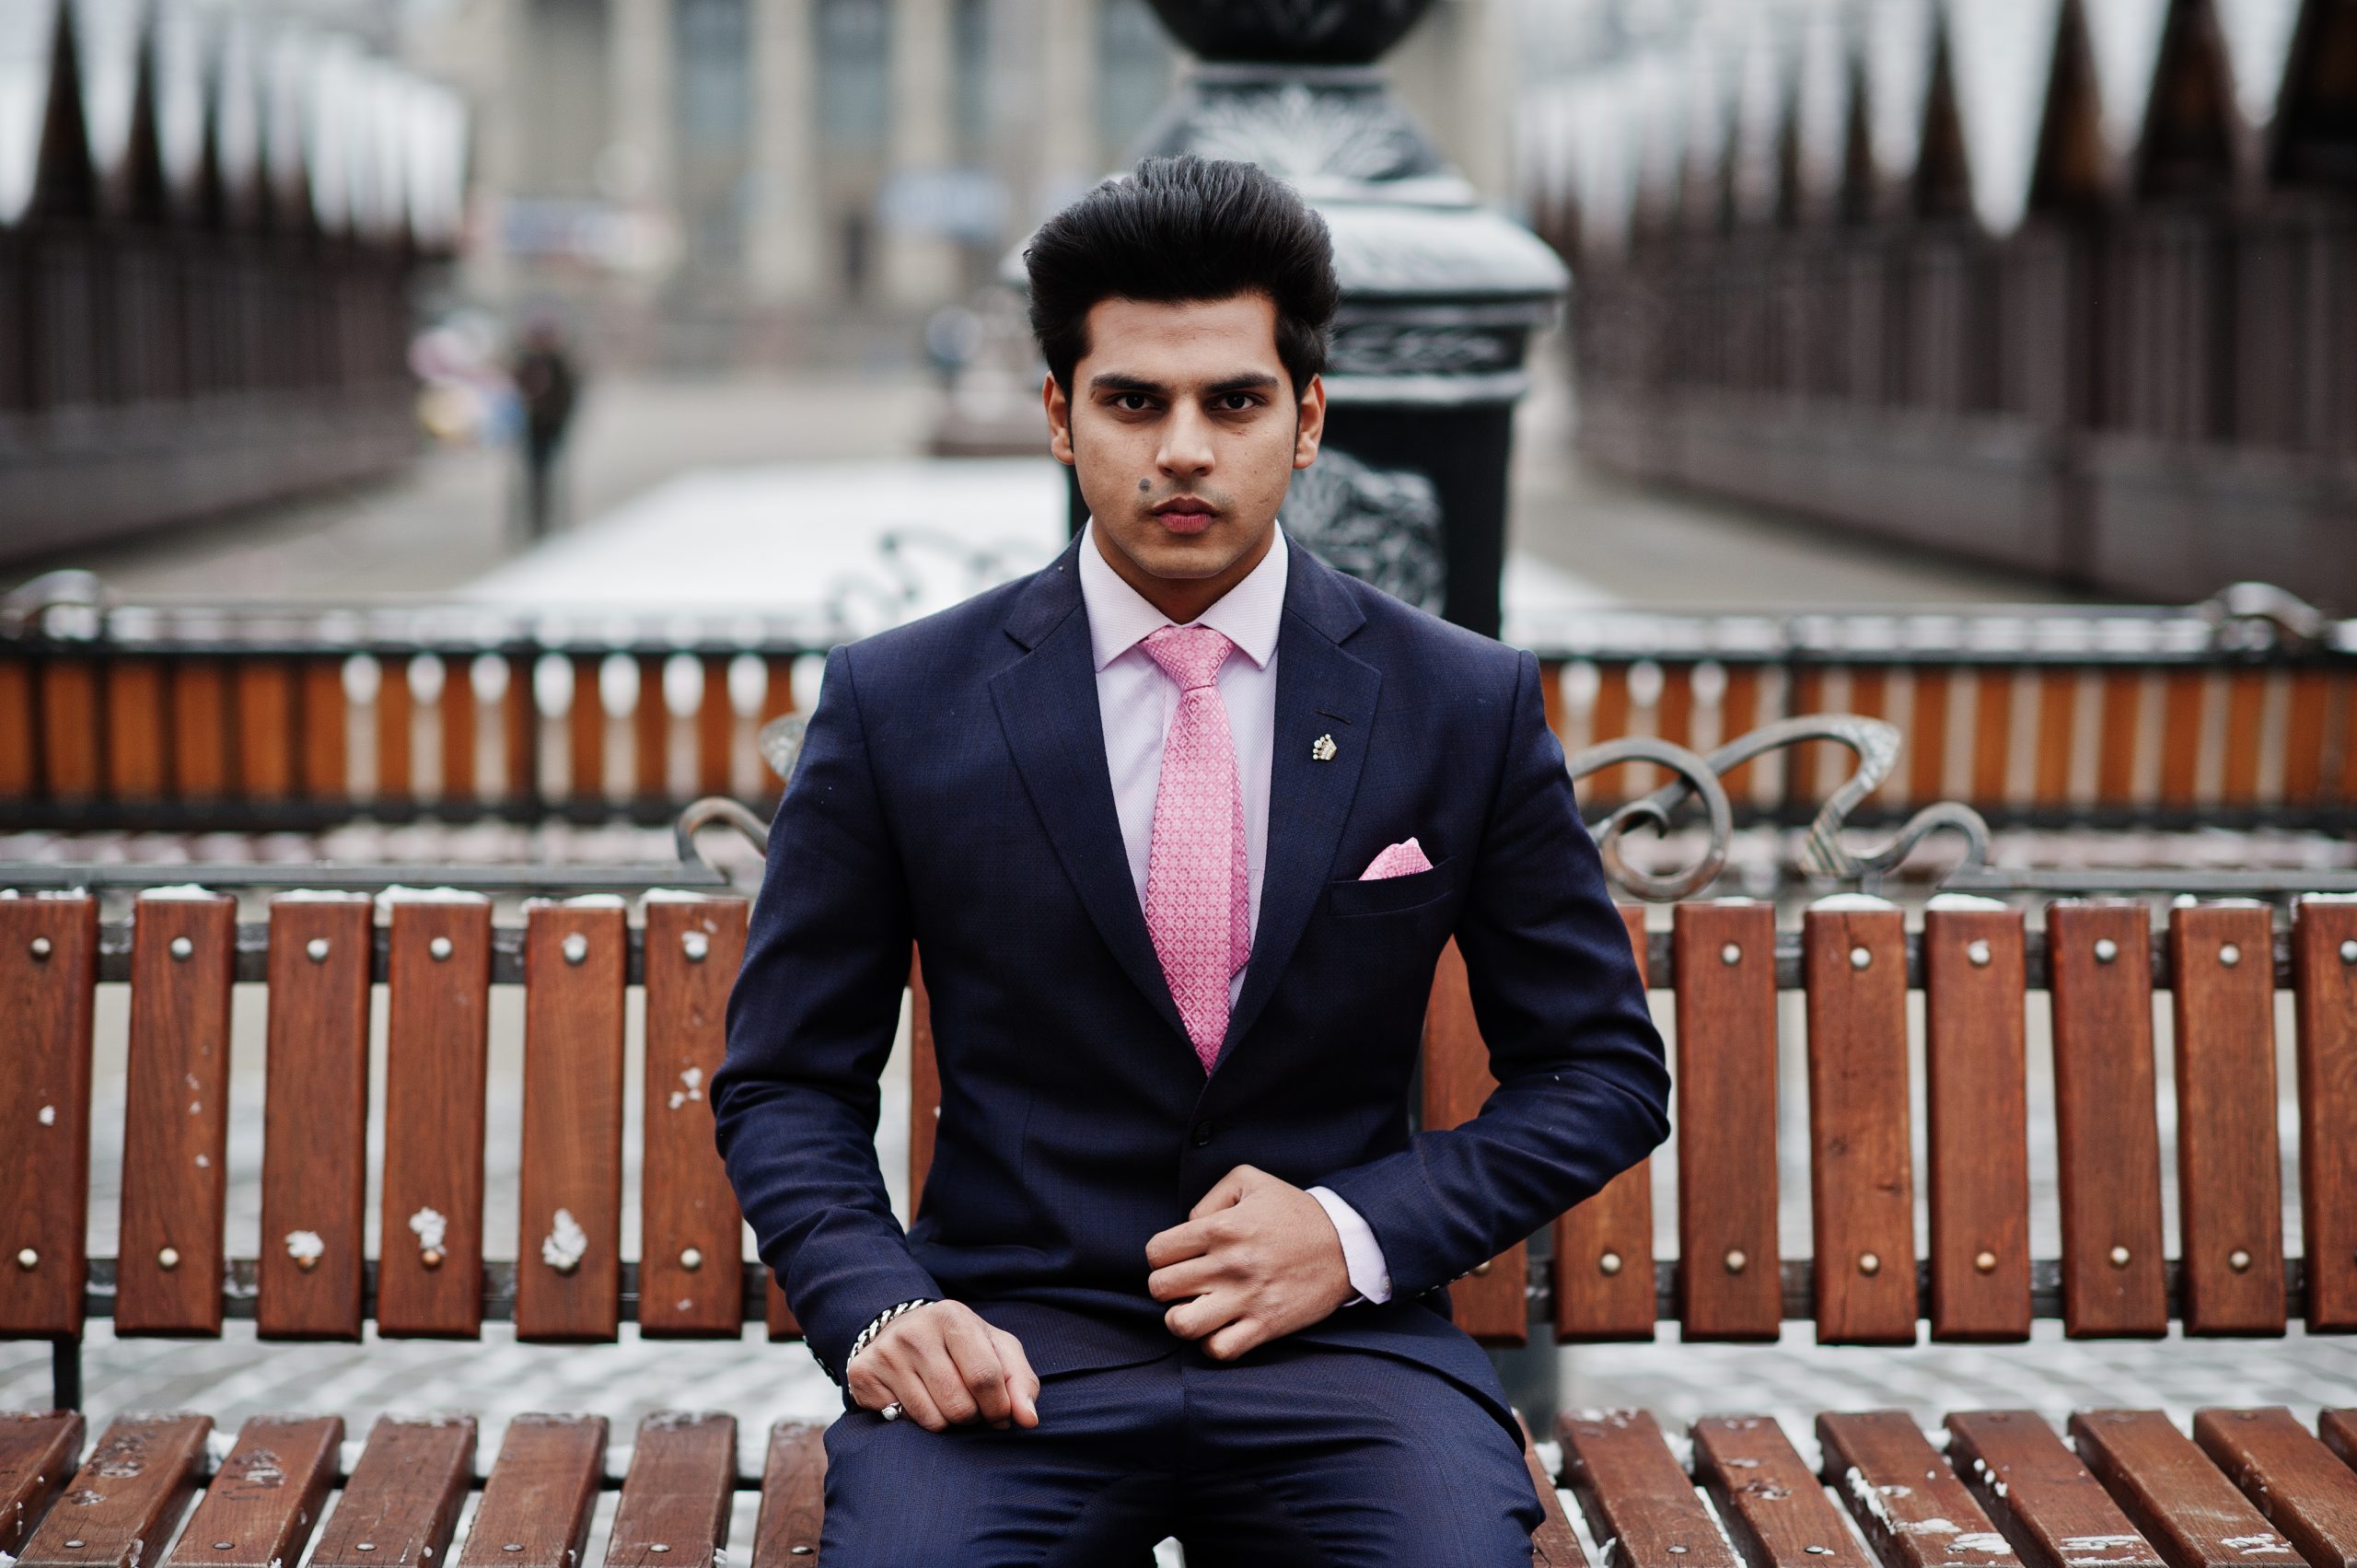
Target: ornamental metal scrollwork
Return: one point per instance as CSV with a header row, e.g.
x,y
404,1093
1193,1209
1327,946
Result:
x,y
1382,526
1875,744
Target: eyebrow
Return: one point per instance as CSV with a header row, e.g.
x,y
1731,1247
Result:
x,y
1244,381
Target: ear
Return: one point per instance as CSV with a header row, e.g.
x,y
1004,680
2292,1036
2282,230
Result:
x,y
1059,407
1311,428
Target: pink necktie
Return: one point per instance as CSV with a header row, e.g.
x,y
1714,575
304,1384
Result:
x,y
1197,878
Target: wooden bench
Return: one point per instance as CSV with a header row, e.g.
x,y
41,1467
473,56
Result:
x,y
2243,1487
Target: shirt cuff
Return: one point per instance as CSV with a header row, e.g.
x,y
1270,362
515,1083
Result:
x,y
1361,1256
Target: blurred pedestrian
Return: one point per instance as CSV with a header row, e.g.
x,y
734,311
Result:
x,y
547,384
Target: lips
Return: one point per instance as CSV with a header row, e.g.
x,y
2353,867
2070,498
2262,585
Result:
x,y
1185,515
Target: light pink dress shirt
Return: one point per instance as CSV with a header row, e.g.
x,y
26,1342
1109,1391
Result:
x,y
1136,701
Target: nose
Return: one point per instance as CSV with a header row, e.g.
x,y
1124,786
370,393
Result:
x,y
1186,451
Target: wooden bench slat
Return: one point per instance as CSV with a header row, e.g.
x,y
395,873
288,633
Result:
x,y
568,1276
315,1118
1773,1508
1489,1304
20,748
1554,1544
537,1504
689,1279
1603,1264
924,1083
715,730
455,714
1908,1505
675,1502
134,721
2174,1494
777,1316
1862,1186
123,1502
2289,1476
2108,1128
264,706
2325,1016
651,731
267,1497
69,749
2338,1429
1725,1083
396,724
402,1500
2123,707
429,1270
794,1496
200,729
2230,1174
584,731
1640,1508
38,1451
175,1118
1977,1111
326,762
1927,736
49,954
2055,1514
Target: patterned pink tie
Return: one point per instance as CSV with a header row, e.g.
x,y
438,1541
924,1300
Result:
x,y
1197,878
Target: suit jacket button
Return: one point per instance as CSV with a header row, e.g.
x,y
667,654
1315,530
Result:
x,y
1202,1134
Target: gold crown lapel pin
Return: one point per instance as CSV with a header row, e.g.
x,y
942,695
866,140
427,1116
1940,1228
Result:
x,y
1322,748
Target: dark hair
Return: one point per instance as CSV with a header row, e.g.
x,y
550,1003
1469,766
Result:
x,y
1184,228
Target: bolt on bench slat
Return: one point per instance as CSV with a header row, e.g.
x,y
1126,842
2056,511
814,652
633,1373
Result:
x,y
315,1121
1908,1502
1977,1113
1640,1506
1602,1270
2175,1494
2055,1514
794,1496
2289,1476
127,1496
37,1457
48,969
265,1501
537,1504
675,1503
1774,1510
176,1119
2107,1129
2229,1170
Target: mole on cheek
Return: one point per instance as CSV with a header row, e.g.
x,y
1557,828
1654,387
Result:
x,y
1144,484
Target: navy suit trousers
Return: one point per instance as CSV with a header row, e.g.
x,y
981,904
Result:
x,y
1305,1455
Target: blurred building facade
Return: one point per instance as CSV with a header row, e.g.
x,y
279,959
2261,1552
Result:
x,y
212,216
707,181
2065,284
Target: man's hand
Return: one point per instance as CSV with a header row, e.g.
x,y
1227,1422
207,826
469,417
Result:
x,y
946,1366
1256,1260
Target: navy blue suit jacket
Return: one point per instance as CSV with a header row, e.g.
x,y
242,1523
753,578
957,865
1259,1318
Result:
x,y
952,792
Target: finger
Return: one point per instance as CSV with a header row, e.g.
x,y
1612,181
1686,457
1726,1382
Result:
x,y
916,1400
1022,1383
945,1384
978,1366
1178,1243
1225,1192
1204,1315
1191,1277
1234,1339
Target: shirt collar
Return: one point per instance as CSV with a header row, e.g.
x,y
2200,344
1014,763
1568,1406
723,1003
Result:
x,y
1119,617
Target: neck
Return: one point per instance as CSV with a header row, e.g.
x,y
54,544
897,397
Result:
x,y
1183,599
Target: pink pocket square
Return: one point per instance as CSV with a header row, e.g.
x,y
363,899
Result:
x,y
1402,859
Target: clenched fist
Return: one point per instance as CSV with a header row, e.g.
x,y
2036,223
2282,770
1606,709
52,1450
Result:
x,y
1256,1258
946,1366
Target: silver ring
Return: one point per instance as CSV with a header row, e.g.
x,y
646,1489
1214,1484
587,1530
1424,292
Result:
x,y
890,1411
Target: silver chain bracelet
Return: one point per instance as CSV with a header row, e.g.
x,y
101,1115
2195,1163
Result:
x,y
875,1325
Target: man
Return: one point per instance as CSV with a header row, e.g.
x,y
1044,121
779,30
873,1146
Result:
x,y
546,384
1178,1264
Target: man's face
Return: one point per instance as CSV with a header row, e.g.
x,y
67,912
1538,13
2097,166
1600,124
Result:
x,y
1185,430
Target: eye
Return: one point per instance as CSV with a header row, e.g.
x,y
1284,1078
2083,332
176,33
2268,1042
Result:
x,y
1132,402
1236,402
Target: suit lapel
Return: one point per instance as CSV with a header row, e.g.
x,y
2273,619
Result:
x,y
1321,690
1047,706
